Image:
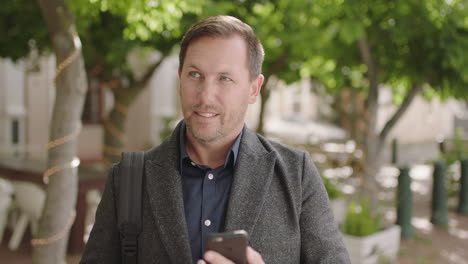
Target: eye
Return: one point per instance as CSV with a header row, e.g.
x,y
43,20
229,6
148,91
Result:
x,y
226,79
194,74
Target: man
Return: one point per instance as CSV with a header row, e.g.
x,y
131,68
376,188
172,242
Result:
x,y
214,174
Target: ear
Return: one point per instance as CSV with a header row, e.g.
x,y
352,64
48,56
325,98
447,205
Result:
x,y
255,87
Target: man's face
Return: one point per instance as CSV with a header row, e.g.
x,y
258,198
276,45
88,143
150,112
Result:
x,y
215,87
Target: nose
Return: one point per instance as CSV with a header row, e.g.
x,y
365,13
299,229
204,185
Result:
x,y
207,91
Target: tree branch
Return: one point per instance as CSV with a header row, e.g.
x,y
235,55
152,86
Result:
x,y
148,74
400,111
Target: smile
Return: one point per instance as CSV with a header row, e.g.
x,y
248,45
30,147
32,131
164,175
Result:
x,y
206,114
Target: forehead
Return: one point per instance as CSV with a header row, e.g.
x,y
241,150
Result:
x,y
215,53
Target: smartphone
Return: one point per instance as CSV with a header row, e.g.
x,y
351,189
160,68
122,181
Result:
x,y
232,245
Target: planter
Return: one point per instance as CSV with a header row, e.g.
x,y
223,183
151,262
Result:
x,y
339,209
367,250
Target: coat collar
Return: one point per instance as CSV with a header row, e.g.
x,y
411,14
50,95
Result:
x,y
251,180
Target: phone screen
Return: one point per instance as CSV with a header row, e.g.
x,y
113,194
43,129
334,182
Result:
x,y
232,245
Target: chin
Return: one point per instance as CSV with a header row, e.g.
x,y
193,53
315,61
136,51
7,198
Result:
x,y
206,135
207,138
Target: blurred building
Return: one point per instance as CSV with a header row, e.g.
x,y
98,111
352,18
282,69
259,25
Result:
x,y
27,98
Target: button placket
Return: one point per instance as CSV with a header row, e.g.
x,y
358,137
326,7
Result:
x,y
209,188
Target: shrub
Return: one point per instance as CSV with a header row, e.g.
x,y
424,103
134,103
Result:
x,y
332,189
359,220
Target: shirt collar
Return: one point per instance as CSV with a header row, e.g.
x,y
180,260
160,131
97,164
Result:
x,y
234,150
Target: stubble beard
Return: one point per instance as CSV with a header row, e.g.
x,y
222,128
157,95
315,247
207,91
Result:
x,y
221,131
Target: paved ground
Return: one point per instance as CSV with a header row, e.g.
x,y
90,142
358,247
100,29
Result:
x,y
431,245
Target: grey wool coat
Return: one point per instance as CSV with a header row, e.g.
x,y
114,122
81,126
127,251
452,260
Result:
x,y
277,196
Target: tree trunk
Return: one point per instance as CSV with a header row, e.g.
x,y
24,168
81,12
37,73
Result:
x,y
371,147
264,96
114,126
58,214
374,160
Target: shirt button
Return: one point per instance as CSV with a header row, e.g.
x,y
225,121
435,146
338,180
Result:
x,y
207,222
210,176
193,163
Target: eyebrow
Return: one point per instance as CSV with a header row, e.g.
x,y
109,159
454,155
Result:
x,y
219,73
225,73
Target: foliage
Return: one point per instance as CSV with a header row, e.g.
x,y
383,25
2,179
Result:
x,y
22,28
360,221
411,41
109,29
281,25
332,189
150,25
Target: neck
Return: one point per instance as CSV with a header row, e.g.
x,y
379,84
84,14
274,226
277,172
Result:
x,y
212,154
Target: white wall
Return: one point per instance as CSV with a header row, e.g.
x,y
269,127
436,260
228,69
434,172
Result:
x,y
12,104
90,142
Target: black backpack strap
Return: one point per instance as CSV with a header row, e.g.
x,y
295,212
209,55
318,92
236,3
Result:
x,y
131,172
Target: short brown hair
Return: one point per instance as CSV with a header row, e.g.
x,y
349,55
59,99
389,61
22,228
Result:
x,y
226,26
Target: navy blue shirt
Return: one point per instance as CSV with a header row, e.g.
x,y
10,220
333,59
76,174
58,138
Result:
x,y
206,194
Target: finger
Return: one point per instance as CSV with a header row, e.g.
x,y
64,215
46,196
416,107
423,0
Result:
x,y
201,261
215,258
254,257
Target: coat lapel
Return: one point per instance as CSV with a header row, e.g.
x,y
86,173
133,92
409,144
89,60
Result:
x,y
164,186
251,181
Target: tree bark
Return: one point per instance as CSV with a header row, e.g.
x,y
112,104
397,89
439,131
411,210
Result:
x,y
371,150
71,88
114,126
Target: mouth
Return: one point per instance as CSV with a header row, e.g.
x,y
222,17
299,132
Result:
x,y
206,114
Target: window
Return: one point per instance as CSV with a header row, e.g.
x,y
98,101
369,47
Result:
x,y
15,136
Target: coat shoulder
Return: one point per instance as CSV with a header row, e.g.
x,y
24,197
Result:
x,y
284,152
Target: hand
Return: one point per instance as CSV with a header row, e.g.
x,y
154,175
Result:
x,y
253,257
